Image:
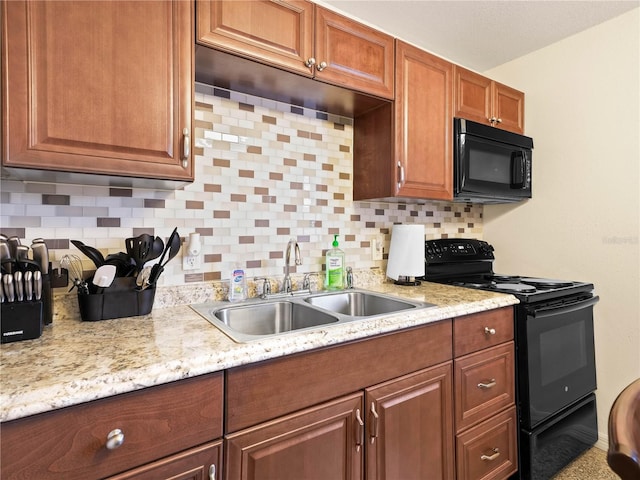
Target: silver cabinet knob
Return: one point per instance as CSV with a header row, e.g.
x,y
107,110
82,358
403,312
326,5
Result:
x,y
115,439
489,331
311,62
321,66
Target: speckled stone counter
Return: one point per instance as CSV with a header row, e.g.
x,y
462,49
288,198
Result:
x,y
75,361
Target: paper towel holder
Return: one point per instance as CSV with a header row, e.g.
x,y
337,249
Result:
x,y
406,254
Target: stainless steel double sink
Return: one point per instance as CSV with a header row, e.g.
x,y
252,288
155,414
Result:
x,y
259,319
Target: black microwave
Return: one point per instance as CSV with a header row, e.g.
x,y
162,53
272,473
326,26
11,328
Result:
x,y
490,165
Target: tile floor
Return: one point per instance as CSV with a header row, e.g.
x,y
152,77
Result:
x,y
591,465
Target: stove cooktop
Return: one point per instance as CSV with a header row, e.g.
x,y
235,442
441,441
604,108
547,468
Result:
x,y
469,263
526,289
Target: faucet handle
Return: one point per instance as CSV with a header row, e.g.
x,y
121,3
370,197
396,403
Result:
x,y
306,282
266,285
349,277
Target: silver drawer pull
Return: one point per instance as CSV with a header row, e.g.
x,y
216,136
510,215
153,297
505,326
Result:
x,y
489,331
212,472
489,384
115,439
495,454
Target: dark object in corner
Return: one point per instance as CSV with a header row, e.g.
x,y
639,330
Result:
x,y
623,455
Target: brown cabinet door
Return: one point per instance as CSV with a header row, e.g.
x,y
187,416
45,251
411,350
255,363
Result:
x,y
98,87
482,100
353,55
424,124
275,32
319,443
409,427
472,96
489,450
508,108
195,464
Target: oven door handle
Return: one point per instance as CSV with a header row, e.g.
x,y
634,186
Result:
x,y
557,310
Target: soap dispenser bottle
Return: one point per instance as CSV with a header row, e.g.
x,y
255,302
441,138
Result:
x,y
334,267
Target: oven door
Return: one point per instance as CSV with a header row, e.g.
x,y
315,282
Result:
x,y
556,350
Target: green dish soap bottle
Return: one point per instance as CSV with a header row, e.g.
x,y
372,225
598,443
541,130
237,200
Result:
x,y
334,267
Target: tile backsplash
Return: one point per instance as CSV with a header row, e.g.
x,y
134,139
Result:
x,y
265,172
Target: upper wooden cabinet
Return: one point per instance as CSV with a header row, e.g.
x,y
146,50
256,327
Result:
x,y
303,38
483,100
406,151
98,87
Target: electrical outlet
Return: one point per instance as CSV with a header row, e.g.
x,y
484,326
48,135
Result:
x,y
376,249
191,262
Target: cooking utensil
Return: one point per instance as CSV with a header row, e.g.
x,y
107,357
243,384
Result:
x,y
142,280
172,247
104,277
141,249
124,263
28,285
73,264
91,252
37,284
41,256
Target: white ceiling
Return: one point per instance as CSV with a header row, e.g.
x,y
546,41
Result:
x,y
482,34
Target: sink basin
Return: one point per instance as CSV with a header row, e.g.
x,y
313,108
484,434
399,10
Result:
x,y
253,321
361,304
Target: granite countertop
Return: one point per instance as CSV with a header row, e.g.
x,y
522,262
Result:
x,y
75,361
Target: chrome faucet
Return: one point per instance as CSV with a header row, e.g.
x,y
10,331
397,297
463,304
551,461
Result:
x,y
286,284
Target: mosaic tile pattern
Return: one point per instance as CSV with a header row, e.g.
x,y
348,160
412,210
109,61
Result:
x,y
265,172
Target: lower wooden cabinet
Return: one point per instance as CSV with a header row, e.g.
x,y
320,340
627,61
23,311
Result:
x,y
488,451
486,424
195,464
409,427
323,442
113,435
403,427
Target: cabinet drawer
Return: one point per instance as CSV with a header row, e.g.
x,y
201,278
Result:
x,y
482,330
484,384
70,443
489,450
263,391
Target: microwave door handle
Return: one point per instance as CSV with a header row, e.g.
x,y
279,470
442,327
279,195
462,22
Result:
x,y
518,172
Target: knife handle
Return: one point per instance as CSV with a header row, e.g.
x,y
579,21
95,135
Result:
x,y
19,286
7,282
28,285
37,284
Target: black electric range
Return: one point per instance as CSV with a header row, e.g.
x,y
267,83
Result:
x,y
554,348
469,263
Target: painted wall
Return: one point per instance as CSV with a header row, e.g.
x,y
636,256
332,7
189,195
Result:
x,y
582,110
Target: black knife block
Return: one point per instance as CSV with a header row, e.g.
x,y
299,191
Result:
x,y
121,299
21,321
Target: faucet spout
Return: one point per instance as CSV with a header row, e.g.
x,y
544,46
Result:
x,y
286,284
